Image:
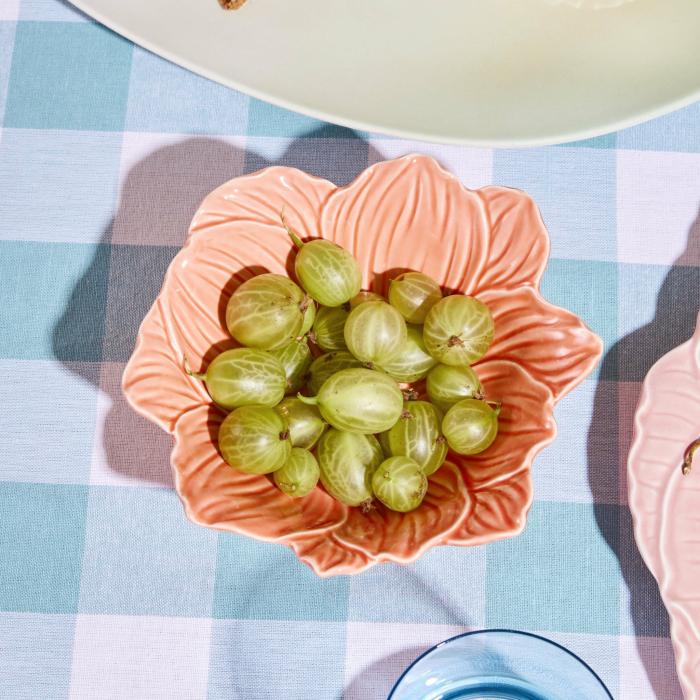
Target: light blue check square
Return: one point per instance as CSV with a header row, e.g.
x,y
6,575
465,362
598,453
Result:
x,y
677,131
276,659
143,557
41,540
7,42
50,10
559,574
36,653
585,461
53,401
68,75
166,98
639,292
262,581
444,587
564,470
266,119
575,191
589,289
54,300
58,185
603,141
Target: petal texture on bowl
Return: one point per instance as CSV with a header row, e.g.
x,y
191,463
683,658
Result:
x,y
553,345
518,241
409,214
154,380
261,198
499,478
236,233
664,503
388,536
329,557
403,214
216,495
499,512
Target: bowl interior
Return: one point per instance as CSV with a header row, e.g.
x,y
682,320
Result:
x,y
403,214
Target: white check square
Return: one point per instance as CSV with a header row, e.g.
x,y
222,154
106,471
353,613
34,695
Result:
x,y
118,657
658,201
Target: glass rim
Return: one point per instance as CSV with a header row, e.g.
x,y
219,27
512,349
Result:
x,y
475,633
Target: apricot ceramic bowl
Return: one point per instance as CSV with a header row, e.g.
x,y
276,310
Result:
x,y
664,496
402,214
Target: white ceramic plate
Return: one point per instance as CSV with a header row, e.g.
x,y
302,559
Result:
x,y
497,72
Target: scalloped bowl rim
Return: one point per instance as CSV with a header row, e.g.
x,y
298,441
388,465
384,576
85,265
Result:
x,y
441,537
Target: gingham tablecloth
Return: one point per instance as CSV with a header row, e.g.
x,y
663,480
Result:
x,y
106,590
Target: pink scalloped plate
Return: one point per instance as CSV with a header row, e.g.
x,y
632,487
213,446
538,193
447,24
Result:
x,y
665,503
401,214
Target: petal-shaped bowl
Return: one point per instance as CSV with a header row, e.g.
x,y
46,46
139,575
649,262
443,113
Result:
x,y
665,503
402,214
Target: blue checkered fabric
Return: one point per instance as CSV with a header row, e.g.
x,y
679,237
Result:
x,y
106,590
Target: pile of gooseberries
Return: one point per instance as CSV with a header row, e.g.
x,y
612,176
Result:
x,y
342,386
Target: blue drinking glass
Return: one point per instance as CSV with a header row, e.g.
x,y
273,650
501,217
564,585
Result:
x,y
499,665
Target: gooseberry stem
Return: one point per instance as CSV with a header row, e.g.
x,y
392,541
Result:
x,y
454,340
688,457
495,405
367,506
310,400
290,231
197,375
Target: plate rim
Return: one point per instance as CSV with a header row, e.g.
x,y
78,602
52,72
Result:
x,y
562,137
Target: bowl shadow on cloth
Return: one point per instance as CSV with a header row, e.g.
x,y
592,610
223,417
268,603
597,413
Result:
x,y
623,370
96,333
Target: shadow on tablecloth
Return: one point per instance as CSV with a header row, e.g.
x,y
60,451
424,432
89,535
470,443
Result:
x,y
623,370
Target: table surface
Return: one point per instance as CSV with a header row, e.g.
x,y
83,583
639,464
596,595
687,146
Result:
x,y
106,590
